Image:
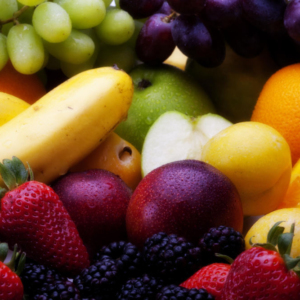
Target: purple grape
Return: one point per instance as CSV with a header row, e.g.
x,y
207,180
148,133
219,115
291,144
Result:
x,y
188,7
155,42
198,41
267,15
165,9
292,19
222,13
139,9
244,39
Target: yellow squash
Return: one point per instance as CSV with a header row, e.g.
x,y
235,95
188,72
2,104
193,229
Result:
x,y
68,123
10,106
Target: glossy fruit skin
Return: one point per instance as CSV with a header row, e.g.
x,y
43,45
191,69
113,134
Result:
x,y
234,99
259,230
33,217
116,155
155,42
211,277
61,121
169,89
97,201
260,170
11,287
185,198
258,272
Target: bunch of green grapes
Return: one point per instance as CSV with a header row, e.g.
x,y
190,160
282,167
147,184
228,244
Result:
x,y
74,35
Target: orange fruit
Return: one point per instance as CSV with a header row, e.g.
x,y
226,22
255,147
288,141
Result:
x,y
292,196
26,87
278,105
116,155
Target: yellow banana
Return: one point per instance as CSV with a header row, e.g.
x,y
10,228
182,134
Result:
x,y
10,106
70,121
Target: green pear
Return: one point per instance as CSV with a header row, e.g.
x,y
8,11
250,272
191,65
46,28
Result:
x,y
235,85
157,90
175,136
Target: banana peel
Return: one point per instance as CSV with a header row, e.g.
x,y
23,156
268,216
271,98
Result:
x,y
10,107
69,122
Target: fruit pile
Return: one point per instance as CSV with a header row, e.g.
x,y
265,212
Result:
x,y
63,34
247,26
124,177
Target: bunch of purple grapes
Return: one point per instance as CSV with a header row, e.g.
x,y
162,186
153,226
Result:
x,y
202,28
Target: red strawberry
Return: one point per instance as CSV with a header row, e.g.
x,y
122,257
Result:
x,y
211,278
11,287
260,273
33,216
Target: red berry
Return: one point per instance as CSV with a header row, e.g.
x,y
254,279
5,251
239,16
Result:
x,y
11,287
259,273
211,277
33,217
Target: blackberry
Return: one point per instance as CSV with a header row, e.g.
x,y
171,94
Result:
x,y
224,240
102,278
171,257
128,257
58,290
143,287
34,276
174,292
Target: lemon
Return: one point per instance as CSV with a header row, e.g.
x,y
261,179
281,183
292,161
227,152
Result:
x,y
257,159
260,228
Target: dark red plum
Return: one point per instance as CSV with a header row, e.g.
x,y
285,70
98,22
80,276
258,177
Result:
x,y
97,201
185,198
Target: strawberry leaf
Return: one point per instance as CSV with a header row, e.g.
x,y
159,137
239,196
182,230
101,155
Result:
x,y
284,243
265,246
274,233
2,192
31,176
290,262
8,177
18,168
3,251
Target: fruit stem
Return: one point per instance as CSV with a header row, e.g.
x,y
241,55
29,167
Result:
x,y
170,17
15,16
143,84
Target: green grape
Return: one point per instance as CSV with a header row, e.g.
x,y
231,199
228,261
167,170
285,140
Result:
x,y
8,8
84,13
6,28
3,51
73,69
31,2
25,49
137,28
52,22
116,28
76,49
122,55
26,16
117,3
107,2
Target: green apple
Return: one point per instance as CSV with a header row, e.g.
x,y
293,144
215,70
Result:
x,y
175,136
157,90
121,55
235,85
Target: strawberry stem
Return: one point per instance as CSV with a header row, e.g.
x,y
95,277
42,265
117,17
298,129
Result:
x,y
3,251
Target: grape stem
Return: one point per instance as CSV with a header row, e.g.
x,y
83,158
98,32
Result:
x,y
15,16
170,17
